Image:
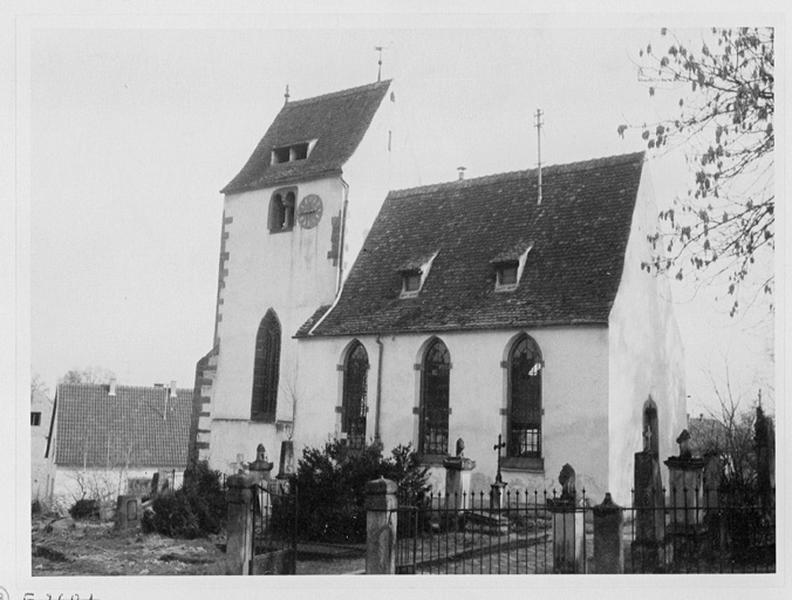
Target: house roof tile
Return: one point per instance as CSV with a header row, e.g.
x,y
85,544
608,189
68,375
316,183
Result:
x,y
337,121
579,235
139,427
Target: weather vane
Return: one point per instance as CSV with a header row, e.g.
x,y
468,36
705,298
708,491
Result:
x,y
379,49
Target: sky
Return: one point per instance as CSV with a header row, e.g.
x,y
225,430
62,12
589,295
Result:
x,y
134,129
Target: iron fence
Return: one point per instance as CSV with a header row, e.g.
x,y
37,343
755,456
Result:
x,y
532,532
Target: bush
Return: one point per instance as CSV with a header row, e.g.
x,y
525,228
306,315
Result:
x,y
84,509
197,509
331,484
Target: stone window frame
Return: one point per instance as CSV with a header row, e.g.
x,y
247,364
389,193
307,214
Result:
x,y
344,371
420,408
266,369
282,208
511,460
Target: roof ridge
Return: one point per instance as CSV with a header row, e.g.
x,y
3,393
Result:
x,y
580,165
125,387
338,93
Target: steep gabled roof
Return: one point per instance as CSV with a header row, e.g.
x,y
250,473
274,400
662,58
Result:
x,y
578,237
338,121
139,427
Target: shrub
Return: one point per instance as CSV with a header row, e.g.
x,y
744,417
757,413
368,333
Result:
x,y
35,507
197,509
85,509
331,492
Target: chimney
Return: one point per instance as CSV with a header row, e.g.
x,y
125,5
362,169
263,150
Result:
x,y
112,391
173,388
461,173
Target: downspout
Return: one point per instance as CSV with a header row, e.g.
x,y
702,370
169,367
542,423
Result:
x,y
339,276
379,388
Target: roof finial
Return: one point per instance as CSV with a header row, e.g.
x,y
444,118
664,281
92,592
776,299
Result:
x,y
461,173
379,49
538,124
286,95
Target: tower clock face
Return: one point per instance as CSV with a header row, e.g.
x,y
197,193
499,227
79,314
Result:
x,y
310,211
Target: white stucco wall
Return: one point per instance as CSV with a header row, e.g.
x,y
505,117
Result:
x,y
379,164
646,355
288,272
41,471
574,390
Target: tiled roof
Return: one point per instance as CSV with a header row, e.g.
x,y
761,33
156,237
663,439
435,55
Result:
x,y
139,427
579,235
337,121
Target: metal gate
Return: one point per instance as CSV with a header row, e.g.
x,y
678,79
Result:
x,y
274,540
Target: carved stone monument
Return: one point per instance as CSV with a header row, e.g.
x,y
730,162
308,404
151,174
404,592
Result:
x,y
685,477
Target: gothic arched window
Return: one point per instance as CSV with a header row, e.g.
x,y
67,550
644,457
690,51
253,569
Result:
x,y
436,366
266,368
353,403
525,399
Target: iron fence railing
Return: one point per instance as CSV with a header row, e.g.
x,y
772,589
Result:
x,y
532,532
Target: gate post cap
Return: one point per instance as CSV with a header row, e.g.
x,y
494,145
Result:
x,y
239,480
381,486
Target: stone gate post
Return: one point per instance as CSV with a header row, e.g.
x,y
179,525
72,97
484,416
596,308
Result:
x,y
239,544
381,516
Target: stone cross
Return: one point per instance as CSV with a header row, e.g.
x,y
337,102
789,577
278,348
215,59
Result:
x,y
497,447
647,437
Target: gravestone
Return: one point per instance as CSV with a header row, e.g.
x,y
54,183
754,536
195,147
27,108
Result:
x,y
568,526
129,512
685,477
497,488
649,550
608,536
458,472
260,468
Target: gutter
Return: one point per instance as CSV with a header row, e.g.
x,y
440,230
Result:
x,y
379,388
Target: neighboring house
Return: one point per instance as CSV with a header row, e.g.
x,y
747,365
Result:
x,y
40,466
473,310
109,437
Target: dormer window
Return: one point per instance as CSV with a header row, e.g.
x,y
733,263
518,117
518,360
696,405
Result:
x,y
281,214
509,267
414,274
292,152
507,274
411,281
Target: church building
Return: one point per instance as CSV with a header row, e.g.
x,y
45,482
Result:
x,y
477,308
